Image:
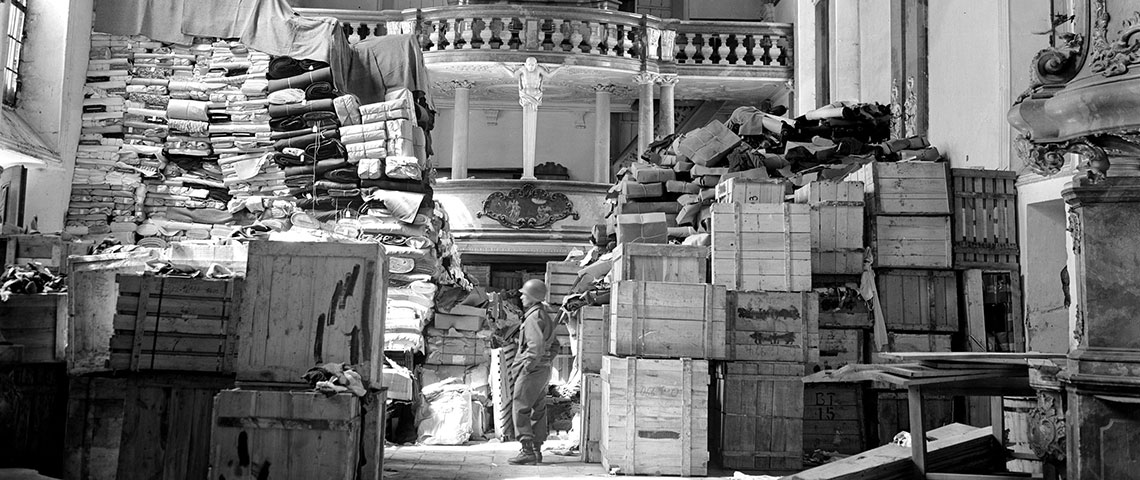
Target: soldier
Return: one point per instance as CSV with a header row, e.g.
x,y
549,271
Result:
x,y
537,349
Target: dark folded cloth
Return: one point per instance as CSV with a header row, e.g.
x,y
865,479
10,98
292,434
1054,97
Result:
x,y
302,182
335,185
219,117
326,150
288,160
321,119
320,90
288,110
343,175
413,186
289,124
303,141
285,67
301,81
318,168
281,135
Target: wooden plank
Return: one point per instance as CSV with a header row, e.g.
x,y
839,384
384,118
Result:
x,y
836,226
841,347
660,263
592,414
592,338
560,278
668,320
911,242
314,303
985,219
918,427
737,190
38,323
904,188
975,311
758,427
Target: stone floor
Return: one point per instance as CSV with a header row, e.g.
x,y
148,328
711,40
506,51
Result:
x,y
488,461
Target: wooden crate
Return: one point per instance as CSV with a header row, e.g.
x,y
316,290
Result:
x,y
295,435
761,247
144,426
311,303
919,300
991,304
49,250
835,417
839,347
660,263
667,320
560,278
985,218
184,324
773,327
836,226
904,188
480,275
38,325
33,417
591,418
591,338
93,293
843,308
893,413
738,190
655,416
910,242
759,420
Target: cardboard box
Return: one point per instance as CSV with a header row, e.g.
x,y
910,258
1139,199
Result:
x,y
642,228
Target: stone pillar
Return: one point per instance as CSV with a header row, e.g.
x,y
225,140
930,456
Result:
x,y
645,83
602,132
1103,377
668,117
459,135
530,135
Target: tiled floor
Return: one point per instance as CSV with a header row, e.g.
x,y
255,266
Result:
x,y
486,461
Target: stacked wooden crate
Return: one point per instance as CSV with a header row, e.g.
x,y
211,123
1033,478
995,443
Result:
x,y
305,304
762,252
664,324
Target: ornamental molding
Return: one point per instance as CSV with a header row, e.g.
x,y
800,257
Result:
x,y
1112,58
1047,159
1047,434
527,207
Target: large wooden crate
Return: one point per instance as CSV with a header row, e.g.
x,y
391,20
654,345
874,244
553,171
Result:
x,y
458,348
184,324
560,278
592,414
761,247
144,426
836,226
48,250
660,263
910,242
919,300
93,293
841,346
33,417
295,435
311,303
738,190
759,416
985,218
905,188
773,327
893,413
36,326
592,338
667,320
835,417
655,416
843,307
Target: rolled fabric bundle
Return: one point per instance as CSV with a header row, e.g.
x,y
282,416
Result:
x,y
145,112
320,119
320,91
239,128
303,183
325,150
301,81
199,215
347,109
343,175
288,124
189,126
287,96
424,258
380,226
281,111
255,87
303,141
188,110
286,67
318,168
403,205
374,149
363,133
396,185
281,135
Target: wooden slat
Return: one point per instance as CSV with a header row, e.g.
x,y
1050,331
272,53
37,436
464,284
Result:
x,y
38,323
985,219
758,428
660,263
761,247
919,300
904,188
560,278
665,320
911,241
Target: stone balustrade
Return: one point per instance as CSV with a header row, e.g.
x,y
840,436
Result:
x,y
592,36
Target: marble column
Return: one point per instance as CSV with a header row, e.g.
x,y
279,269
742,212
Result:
x,y
645,82
668,116
459,131
530,136
602,95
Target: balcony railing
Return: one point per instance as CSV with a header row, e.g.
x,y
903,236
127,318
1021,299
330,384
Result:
x,y
590,34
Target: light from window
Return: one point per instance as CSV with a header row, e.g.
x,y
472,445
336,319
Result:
x,y
14,30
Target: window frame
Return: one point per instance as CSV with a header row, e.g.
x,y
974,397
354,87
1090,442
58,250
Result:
x,y
10,74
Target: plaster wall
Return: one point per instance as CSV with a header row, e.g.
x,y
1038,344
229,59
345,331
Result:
x,y
738,10
368,5
500,146
52,75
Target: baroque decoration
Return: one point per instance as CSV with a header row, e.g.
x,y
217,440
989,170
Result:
x,y
1048,159
527,207
1047,428
1112,58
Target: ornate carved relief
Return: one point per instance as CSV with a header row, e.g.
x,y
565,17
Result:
x,y
1055,66
1047,428
1048,159
527,207
1079,328
1112,58
1074,229
910,109
897,127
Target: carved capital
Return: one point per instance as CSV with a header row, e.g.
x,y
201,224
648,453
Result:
x,y
606,88
645,78
1047,428
450,86
667,80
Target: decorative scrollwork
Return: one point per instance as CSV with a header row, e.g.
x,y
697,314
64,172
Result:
x,y
1047,428
1048,159
1112,58
527,207
1074,229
